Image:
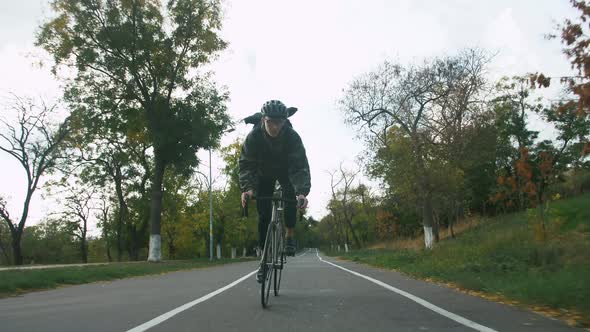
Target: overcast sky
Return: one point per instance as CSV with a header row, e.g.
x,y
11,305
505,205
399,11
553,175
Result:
x,y
304,53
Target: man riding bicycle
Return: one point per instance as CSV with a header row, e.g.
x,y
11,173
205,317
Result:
x,y
273,151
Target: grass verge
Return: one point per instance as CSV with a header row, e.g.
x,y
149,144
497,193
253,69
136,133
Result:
x,y
506,259
15,282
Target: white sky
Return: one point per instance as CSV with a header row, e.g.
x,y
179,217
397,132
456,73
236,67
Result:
x,y
304,53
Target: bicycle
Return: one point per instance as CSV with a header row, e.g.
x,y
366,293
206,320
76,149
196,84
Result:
x,y
273,256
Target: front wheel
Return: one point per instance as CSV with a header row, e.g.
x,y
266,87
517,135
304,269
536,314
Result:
x,y
267,280
267,261
278,273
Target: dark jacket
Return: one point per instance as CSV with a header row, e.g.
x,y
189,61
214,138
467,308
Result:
x,y
262,155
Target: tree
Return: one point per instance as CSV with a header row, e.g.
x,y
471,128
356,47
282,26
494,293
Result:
x,y
514,140
105,225
238,232
412,99
131,55
178,225
576,39
49,243
35,143
343,200
460,119
78,206
108,152
551,159
366,206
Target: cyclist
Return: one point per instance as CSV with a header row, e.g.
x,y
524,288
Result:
x,y
273,151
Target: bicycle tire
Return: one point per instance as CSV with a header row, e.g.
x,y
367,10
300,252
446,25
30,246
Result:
x,y
277,280
266,285
268,262
281,259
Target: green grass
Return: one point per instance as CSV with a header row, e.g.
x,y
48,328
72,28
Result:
x,y
13,282
506,256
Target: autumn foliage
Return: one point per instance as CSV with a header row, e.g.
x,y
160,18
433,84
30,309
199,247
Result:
x,y
574,37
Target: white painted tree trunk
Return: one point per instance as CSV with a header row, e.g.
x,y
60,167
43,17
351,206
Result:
x,y
257,252
233,253
155,254
428,237
346,247
243,252
218,251
338,248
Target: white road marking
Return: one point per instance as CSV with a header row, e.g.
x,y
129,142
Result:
x,y
170,314
305,252
439,310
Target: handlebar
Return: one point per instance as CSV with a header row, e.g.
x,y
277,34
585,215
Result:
x,y
299,203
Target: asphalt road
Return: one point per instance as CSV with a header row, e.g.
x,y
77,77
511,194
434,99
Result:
x,y
317,294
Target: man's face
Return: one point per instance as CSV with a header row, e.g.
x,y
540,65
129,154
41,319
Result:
x,y
273,125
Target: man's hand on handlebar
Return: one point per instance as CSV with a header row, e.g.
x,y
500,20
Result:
x,y
246,195
304,199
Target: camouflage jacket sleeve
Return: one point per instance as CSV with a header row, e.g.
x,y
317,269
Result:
x,y
298,166
247,164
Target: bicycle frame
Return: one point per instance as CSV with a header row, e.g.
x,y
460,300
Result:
x,y
272,254
273,258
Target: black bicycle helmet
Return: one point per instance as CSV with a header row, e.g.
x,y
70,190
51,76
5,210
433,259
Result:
x,y
274,109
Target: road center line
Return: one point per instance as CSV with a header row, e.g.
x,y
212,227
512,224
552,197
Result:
x,y
170,314
439,310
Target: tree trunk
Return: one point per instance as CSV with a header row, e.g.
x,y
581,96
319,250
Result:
x,y
17,256
453,223
122,215
84,250
133,242
155,252
207,246
171,249
108,245
356,240
119,236
17,231
541,207
427,222
436,227
423,191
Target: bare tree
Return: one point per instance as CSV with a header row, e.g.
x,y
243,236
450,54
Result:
x,y
342,197
35,143
461,114
411,98
78,204
403,97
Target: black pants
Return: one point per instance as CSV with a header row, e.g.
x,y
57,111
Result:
x,y
265,188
